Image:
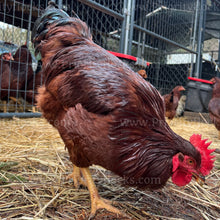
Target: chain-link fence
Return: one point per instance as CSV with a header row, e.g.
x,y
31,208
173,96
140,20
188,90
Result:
x,y
163,37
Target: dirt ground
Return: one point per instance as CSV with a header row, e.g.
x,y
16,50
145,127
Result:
x,y
34,166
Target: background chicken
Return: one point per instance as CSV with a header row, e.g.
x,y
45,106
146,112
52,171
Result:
x,y
15,74
106,114
23,60
6,56
142,73
171,101
181,106
6,78
214,104
34,83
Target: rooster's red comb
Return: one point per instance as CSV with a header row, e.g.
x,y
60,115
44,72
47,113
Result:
x,y
207,162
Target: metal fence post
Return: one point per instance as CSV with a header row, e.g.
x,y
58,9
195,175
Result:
x,y
194,36
29,23
127,25
122,37
132,10
218,73
60,4
201,31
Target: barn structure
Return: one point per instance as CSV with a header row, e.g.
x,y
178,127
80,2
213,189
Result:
x,y
164,37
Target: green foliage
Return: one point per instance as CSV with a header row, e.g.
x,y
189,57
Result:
x,y
7,165
8,177
217,164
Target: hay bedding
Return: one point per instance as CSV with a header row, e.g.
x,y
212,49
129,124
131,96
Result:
x,y
33,185
15,105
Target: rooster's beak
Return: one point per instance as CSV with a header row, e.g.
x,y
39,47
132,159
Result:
x,y
200,179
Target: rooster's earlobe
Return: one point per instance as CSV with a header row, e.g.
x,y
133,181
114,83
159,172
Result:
x,y
176,161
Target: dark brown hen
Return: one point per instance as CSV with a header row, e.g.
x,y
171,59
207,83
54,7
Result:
x,y
15,74
22,67
214,104
34,83
171,101
106,114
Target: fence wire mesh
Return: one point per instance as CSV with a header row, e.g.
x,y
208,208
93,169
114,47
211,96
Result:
x,y
105,28
162,33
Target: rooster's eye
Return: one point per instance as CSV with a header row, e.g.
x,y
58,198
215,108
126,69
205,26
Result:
x,y
190,162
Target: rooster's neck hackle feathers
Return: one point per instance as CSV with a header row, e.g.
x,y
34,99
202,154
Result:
x,y
147,146
50,15
55,31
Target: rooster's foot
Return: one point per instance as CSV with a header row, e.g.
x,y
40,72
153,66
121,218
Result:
x,y
77,177
96,201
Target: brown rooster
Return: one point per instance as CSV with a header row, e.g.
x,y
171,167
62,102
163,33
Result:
x,y
214,104
171,101
107,115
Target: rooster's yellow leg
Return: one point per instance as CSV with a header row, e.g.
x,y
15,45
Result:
x,y
4,106
33,109
77,177
96,201
14,99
